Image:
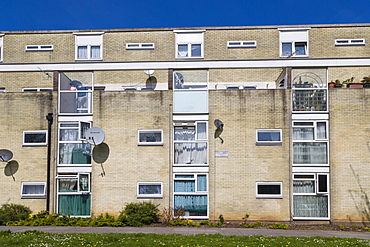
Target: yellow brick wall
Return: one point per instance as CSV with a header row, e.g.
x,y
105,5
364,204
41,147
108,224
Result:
x,y
344,73
24,112
14,48
349,154
321,42
121,115
233,178
244,75
15,81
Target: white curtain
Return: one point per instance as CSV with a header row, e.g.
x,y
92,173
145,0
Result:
x,y
190,153
185,134
303,134
202,131
36,189
321,130
304,186
95,52
310,153
182,50
310,206
82,52
68,185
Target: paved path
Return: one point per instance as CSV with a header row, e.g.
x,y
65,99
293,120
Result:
x,y
190,231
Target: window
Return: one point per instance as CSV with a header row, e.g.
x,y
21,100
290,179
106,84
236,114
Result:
x,y
189,44
74,194
268,136
140,46
149,189
150,137
311,195
37,89
310,142
1,47
340,42
34,138
72,150
241,44
293,42
89,46
39,47
36,190
190,143
191,194
269,190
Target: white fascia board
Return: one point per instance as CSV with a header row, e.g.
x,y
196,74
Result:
x,y
191,169
206,64
74,169
62,118
310,116
311,169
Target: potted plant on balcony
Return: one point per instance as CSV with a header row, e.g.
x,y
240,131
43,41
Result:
x,y
352,84
366,81
331,84
337,84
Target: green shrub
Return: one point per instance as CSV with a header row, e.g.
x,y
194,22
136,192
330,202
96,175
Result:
x,y
139,214
182,222
13,212
252,225
279,226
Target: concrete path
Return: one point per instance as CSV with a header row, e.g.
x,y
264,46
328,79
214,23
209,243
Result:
x,y
190,231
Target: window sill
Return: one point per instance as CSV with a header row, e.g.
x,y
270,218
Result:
x,y
150,144
150,197
35,145
269,197
33,196
269,143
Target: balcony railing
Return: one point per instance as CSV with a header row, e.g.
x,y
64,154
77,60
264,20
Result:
x,y
309,99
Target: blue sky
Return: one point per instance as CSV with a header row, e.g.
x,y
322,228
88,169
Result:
x,y
22,15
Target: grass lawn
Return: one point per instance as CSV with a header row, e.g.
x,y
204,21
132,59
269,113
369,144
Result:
x,y
36,238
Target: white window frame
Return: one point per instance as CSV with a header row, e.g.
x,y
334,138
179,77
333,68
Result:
x,y
77,177
196,139
96,40
349,42
33,196
25,132
189,38
1,47
259,142
160,195
195,193
293,36
140,143
37,89
315,193
39,48
316,138
269,196
140,46
2,89
242,44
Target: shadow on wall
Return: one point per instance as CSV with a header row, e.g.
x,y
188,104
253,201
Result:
x,y
362,205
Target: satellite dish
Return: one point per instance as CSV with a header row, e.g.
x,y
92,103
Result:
x,y
11,168
5,155
149,72
95,136
100,153
179,80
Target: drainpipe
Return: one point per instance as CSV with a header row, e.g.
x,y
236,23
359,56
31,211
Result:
x,y
49,117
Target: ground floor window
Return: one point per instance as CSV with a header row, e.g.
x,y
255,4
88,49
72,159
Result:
x,y
311,195
74,196
191,195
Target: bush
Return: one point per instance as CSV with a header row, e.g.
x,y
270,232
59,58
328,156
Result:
x,y
139,214
252,225
279,226
13,212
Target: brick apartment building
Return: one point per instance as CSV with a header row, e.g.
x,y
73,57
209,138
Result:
x,y
219,120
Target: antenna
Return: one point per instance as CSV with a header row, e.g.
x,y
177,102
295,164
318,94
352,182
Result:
x,y
220,128
46,73
95,136
100,154
5,154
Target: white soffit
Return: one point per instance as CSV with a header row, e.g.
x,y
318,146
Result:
x,y
191,169
310,116
310,169
74,169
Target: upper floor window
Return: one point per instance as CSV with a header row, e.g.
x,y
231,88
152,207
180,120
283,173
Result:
x,y
89,46
1,47
268,136
140,46
339,42
293,42
34,138
189,44
39,47
241,44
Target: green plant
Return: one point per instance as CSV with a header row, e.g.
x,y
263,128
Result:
x,y
366,228
13,212
182,222
279,226
221,218
252,225
139,214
